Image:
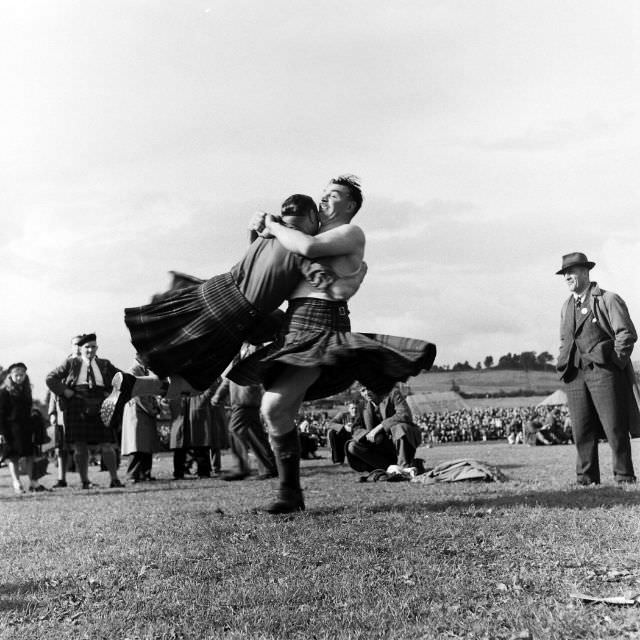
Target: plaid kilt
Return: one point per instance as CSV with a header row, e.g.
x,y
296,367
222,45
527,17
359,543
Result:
x,y
317,333
194,332
82,421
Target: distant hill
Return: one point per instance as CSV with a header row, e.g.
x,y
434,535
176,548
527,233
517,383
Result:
x,y
487,381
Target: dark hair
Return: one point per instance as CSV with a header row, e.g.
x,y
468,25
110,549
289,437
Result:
x,y
353,184
298,205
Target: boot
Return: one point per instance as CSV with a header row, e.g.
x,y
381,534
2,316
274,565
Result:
x,y
286,448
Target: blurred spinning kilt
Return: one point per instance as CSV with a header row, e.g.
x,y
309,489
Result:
x,y
195,331
317,333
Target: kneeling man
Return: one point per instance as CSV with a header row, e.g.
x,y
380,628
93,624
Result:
x,y
383,433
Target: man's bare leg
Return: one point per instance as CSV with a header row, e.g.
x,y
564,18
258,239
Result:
x,y
280,406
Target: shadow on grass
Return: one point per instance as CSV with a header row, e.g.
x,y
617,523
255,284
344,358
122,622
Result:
x,y
579,498
334,469
11,592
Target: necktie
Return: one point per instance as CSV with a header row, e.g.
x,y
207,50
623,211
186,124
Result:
x,y
91,379
578,302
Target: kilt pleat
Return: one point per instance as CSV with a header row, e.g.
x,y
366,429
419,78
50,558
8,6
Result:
x,y
194,332
81,424
317,334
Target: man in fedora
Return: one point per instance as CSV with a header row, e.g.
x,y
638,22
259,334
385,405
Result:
x,y
596,341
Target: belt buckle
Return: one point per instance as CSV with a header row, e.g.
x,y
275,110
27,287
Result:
x,y
342,311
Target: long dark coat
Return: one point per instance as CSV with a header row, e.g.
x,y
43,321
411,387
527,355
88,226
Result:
x,y
16,425
139,429
197,423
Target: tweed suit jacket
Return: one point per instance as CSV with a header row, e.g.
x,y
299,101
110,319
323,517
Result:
x,y
393,409
397,419
66,375
609,310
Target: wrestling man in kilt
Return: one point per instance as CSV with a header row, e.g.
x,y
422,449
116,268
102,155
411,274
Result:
x,y
192,334
316,354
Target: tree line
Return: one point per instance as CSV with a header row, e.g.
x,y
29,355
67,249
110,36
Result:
x,y
525,361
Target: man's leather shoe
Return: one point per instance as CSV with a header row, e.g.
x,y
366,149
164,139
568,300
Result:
x,y
116,484
266,476
236,475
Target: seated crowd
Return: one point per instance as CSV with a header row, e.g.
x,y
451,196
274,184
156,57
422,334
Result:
x,y
470,425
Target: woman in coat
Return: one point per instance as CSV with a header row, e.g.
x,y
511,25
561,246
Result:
x,y
16,425
139,430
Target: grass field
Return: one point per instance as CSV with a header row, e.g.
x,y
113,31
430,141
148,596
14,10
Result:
x,y
487,381
190,559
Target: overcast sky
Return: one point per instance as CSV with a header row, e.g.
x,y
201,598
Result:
x,y
491,138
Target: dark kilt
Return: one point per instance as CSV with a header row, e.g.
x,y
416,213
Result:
x,y
194,332
82,421
318,333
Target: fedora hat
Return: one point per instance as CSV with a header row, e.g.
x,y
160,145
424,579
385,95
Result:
x,y
575,259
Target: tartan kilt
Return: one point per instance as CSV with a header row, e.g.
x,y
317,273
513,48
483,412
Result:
x,y
80,423
195,331
317,333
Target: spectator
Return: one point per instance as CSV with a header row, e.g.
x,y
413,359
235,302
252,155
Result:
x,y
17,426
56,420
82,383
554,426
339,432
467,425
535,434
200,428
139,430
246,430
383,433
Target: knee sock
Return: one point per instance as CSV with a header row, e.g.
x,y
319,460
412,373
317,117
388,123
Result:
x,y
109,459
81,456
286,448
62,462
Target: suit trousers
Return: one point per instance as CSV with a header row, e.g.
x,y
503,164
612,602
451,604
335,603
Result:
x,y
338,438
247,433
597,402
398,447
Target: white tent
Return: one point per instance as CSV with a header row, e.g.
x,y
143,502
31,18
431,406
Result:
x,y
557,397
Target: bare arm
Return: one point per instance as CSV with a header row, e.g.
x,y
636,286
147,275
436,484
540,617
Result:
x,y
343,240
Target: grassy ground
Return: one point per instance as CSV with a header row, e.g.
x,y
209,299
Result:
x,y
487,381
189,559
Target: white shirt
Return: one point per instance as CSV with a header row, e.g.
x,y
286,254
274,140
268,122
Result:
x,y
84,368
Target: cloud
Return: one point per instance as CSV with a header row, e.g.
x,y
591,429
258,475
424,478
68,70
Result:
x,y
542,136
